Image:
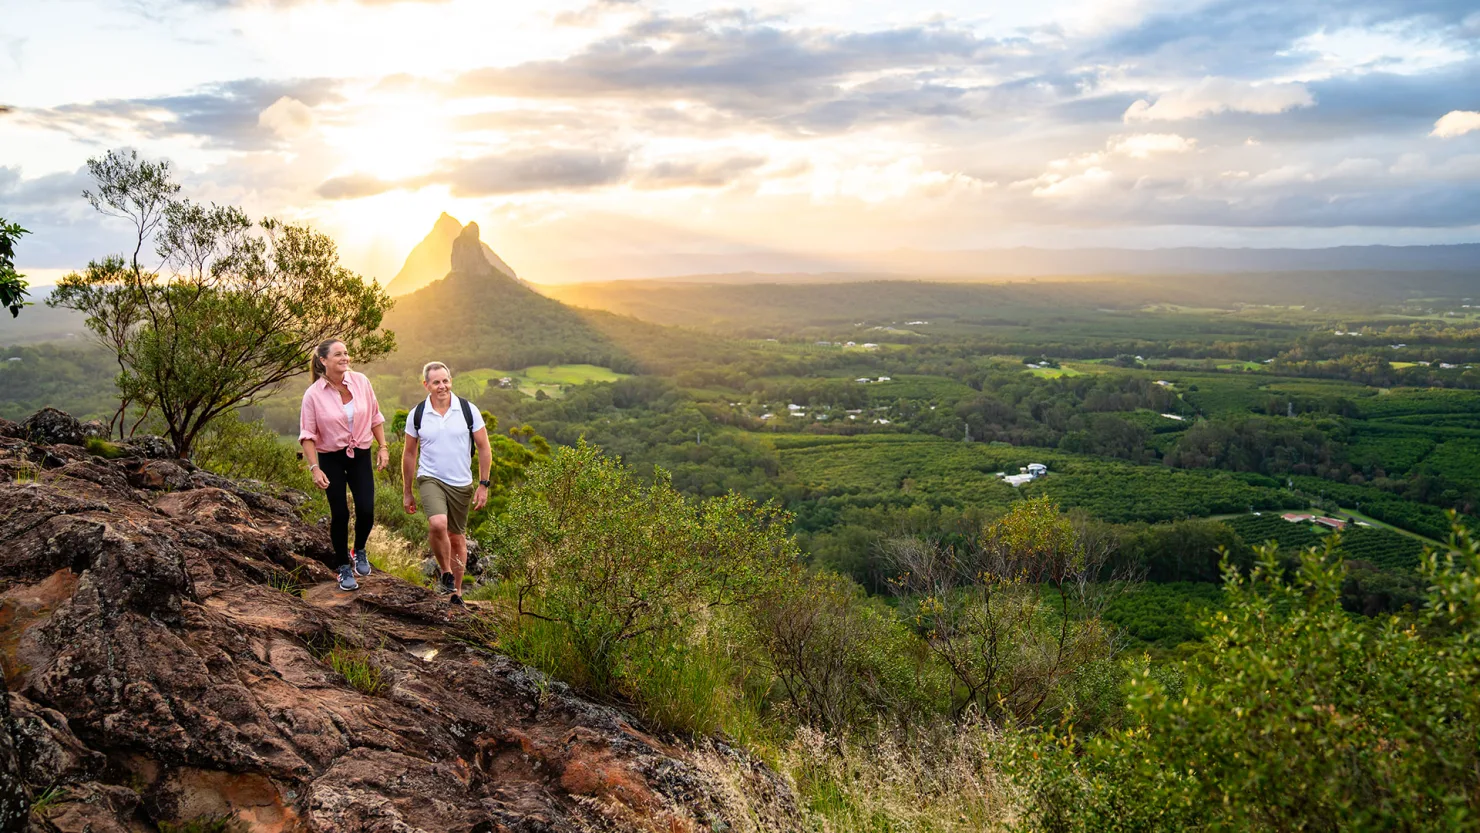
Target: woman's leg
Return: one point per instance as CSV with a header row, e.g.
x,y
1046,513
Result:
x,y
362,485
334,464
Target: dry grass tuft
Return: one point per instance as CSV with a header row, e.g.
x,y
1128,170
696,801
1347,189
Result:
x,y
941,780
390,553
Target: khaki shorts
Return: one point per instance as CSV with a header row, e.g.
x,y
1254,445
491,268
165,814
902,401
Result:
x,y
438,498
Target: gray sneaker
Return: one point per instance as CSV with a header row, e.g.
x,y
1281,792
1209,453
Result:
x,y
347,578
362,563
445,586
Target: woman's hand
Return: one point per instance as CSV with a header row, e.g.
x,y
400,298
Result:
x,y
383,458
409,501
319,478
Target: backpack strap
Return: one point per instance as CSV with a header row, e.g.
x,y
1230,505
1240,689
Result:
x,y
467,410
416,415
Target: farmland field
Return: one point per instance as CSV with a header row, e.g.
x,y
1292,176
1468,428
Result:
x,y
550,379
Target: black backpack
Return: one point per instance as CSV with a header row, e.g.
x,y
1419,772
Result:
x,y
466,409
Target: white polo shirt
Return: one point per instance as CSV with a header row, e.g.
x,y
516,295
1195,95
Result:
x,y
446,446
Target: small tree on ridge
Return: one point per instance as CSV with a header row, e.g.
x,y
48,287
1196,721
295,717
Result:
x,y
231,312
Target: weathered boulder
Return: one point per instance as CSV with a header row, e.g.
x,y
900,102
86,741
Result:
x,y
152,447
52,427
167,637
95,429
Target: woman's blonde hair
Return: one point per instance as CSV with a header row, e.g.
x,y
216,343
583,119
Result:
x,y
316,364
426,370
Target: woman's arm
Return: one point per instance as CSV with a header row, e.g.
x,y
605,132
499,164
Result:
x,y
311,456
308,432
383,458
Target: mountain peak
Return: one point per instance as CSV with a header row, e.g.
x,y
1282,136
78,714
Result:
x,y
467,252
431,260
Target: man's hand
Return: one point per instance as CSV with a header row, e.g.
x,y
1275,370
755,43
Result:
x,y
408,500
480,497
383,459
320,479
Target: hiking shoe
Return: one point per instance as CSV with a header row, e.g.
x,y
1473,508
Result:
x,y
446,585
347,578
456,599
362,563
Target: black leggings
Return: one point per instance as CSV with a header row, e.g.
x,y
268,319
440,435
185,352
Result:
x,y
356,473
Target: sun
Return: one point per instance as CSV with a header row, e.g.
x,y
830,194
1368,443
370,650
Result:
x,y
394,139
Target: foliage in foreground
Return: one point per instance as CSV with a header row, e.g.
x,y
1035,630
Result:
x,y
13,286
1296,717
612,562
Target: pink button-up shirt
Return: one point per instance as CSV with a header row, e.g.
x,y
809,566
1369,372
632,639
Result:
x,y
322,420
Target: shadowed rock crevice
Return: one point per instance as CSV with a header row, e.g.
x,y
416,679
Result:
x,y
157,674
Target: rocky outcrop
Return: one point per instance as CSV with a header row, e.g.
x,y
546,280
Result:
x,y
467,253
167,639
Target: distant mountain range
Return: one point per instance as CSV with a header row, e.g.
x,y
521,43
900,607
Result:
x,y
1024,262
428,261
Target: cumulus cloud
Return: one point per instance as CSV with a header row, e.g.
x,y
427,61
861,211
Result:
x,y
1217,95
1456,123
287,117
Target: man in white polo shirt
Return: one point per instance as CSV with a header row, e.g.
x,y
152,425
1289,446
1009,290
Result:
x,y
440,434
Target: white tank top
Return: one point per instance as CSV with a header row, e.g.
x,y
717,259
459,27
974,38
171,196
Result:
x,y
349,414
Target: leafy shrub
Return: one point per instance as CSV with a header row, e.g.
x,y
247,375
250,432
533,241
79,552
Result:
x,y
1297,717
588,547
982,609
233,448
839,659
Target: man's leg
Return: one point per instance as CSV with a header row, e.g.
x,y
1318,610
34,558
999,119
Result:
x,y
441,546
459,558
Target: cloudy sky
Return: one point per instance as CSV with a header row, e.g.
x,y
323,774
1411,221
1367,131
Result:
x,y
575,131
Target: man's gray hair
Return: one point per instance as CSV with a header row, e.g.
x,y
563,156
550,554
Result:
x,y
426,370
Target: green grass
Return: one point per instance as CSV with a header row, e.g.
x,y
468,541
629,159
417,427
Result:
x,y
287,581
49,798
1053,372
533,379
358,669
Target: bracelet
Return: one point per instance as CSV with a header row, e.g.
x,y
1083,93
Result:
x,y
314,466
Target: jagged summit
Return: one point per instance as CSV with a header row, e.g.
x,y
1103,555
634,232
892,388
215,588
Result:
x,y
432,258
467,252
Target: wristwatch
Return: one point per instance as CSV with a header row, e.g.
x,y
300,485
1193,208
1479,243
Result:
x,y
483,483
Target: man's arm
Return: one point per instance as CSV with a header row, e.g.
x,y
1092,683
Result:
x,y
485,465
408,473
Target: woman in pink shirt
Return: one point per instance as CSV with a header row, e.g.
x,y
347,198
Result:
x,y
338,417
